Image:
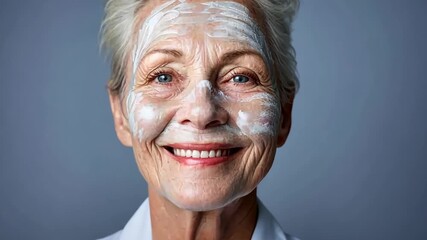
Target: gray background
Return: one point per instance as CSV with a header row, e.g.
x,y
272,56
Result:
x,y
353,167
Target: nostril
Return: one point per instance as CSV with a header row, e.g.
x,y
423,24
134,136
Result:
x,y
185,122
214,123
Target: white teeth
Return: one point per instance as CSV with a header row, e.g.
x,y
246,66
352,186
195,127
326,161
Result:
x,y
204,154
196,154
188,153
201,154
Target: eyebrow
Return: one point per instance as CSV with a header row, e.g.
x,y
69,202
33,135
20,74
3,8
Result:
x,y
225,58
230,56
172,52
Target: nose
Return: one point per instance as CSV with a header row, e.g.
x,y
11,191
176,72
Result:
x,y
201,109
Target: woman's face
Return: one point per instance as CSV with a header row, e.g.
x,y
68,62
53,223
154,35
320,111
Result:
x,y
202,113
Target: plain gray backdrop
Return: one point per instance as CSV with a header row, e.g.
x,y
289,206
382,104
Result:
x,y
353,166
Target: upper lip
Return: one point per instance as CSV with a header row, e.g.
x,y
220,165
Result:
x,y
201,147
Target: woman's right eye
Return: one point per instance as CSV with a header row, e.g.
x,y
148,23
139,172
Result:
x,y
164,78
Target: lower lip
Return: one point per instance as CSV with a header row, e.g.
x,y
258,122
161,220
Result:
x,y
199,161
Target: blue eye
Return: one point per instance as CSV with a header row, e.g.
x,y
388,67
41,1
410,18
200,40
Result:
x,y
164,78
240,79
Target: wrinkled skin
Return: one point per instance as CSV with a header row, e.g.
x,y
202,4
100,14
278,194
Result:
x,y
189,90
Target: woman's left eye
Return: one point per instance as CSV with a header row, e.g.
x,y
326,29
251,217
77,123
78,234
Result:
x,y
240,79
164,78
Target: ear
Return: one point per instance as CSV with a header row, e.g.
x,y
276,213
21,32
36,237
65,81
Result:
x,y
286,121
121,124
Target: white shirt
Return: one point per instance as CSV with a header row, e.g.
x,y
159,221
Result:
x,y
139,226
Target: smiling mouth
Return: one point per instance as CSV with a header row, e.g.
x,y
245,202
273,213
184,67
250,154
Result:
x,y
201,154
189,156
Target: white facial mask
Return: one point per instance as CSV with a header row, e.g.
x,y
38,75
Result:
x,y
227,21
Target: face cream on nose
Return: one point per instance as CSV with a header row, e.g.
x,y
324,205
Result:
x,y
205,84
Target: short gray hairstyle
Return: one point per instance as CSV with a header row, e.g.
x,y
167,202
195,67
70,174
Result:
x,y
118,27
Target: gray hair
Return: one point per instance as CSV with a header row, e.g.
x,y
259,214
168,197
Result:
x,y
119,24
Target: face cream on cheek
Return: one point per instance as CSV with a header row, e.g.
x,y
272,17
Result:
x,y
262,119
146,116
243,122
132,100
147,113
143,117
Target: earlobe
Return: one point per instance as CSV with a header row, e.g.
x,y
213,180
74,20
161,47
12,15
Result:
x,y
120,123
286,123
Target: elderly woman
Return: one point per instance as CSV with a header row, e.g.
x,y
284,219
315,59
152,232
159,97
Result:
x,y
202,91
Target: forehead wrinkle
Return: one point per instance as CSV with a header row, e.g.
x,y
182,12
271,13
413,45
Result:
x,y
173,52
214,13
166,52
187,50
215,16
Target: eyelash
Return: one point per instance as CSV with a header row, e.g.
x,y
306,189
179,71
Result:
x,y
156,73
253,78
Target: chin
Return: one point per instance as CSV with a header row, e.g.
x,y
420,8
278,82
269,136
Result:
x,y
201,202
204,199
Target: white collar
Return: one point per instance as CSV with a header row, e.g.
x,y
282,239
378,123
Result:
x,y
139,226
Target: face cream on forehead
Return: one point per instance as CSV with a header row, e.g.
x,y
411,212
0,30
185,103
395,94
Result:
x,y
219,20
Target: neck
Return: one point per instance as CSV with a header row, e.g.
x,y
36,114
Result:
x,y
235,221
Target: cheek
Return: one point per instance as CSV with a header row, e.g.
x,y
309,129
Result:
x,y
259,117
146,118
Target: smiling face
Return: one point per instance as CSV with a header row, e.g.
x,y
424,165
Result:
x,y
200,111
